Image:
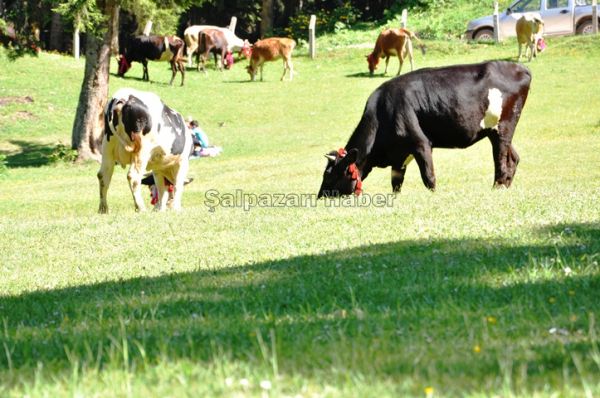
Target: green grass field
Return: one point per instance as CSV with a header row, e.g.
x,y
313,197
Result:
x,y
467,291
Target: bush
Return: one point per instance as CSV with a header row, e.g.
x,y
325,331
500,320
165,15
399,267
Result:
x,y
338,19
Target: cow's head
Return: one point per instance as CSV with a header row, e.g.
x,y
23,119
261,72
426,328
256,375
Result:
x,y
124,65
251,71
541,44
132,116
246,49
373,60
341,176
228,61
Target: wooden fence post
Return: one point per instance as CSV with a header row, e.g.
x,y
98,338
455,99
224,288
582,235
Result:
x,y
404,18
595,16
311,36
496,23
76,38
232,24
148,28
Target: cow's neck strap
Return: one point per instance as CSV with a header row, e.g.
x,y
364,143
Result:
x,y
353,170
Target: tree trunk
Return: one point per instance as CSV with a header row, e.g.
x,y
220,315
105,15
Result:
x,y
88,126
56,32
266,18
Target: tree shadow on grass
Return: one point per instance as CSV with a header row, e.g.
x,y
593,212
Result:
x,y
412,308
29,154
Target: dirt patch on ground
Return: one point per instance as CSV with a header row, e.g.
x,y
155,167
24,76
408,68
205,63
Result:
x,y
15,100
23,115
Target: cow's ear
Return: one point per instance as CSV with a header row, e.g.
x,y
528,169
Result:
x,y
351,157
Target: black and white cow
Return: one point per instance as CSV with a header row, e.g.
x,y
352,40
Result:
x,y
143,132
450,107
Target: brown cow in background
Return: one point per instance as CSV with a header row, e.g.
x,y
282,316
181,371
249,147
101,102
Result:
x,y
269,50
393,42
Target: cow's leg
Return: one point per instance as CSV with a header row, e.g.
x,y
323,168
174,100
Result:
x,y
181,69
146,76
530,51
399,170
387,61
501,151
513,162
424,159
134,177
189,51
261,71
520,52
182,171
409,53
290,67
104,176
285,68
163,193
173,70
400,61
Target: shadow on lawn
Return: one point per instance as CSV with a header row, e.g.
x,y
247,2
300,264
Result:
x,y
373,308
29,154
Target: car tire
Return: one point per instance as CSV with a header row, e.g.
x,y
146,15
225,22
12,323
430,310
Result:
x,y
484,34
585,28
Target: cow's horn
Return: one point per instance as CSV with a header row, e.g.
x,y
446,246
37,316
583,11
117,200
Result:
x,y
330,157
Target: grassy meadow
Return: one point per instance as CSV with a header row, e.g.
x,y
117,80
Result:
x,y
467,291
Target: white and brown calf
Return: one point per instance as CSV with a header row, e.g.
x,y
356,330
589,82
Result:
x,y
269,50
144,133
530,29
191,36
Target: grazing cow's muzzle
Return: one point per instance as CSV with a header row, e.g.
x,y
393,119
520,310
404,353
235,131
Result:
x,y
372,60
124,66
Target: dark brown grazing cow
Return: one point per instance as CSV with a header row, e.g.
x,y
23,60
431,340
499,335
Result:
x,y
153,48
451,107
269,50
211,40
396,42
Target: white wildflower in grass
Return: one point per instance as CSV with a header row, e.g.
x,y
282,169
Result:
x,y
229,381
568,271
265,384
244,383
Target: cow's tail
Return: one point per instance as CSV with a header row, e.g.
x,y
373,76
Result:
x,y
413,36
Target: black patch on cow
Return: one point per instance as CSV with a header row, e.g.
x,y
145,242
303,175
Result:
x,y
107,120
136,116
175,121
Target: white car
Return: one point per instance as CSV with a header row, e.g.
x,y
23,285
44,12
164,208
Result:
x,y
561,17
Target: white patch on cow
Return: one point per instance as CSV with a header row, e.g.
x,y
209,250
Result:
x,y
494,111
167,55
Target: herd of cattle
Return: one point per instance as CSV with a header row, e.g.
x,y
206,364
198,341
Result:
x,y
203,40
404,119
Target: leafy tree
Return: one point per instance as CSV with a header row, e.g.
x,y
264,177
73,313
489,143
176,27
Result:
x,y
100,19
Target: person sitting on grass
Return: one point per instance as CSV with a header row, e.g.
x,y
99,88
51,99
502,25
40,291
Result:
x,y
202,147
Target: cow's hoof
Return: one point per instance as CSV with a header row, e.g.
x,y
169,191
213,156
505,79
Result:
x,y
103,209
